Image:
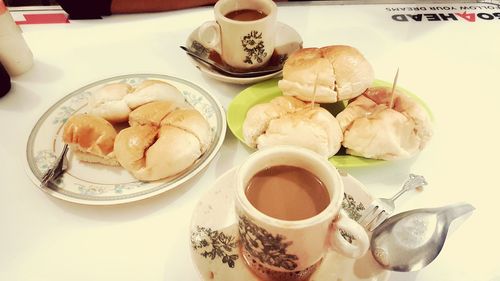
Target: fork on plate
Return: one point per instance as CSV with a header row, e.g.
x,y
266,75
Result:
x,y
380,209
58,168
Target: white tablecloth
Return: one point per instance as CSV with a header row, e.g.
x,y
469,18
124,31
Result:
x,y
452,65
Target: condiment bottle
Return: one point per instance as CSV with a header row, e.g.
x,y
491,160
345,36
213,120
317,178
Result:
x,y
4,81
15,54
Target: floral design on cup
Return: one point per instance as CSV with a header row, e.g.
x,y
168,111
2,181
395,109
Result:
x,y
223,246
352,207
261,244
254,47
353,210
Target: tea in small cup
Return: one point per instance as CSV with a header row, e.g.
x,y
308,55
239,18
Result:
x,y
288,206
243,32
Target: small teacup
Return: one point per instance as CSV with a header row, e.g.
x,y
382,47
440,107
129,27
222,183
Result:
x,y
280,249
243,32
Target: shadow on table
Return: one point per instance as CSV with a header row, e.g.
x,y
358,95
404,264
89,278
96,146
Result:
x,y
41,72
19,99
403,276
132,210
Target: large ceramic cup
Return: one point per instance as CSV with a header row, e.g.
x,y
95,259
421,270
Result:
x,y
291,250
241,44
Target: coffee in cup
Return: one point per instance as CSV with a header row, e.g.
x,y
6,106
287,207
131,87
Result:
x,y
243,32
246,15
287,193
288,207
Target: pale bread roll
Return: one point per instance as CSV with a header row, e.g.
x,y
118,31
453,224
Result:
x,y
151,113
190,120
353,73
162,152
358,108
419,116
290,104
326,75
91,139
108,102
373,130
299,76
153,90
385,135
312,128
258,117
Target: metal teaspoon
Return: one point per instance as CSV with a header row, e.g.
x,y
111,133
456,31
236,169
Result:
x,y
229,72
411,240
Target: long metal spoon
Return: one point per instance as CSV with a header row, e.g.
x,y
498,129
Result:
x,y
227,71
411,240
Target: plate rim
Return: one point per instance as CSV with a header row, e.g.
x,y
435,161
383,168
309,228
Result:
x,y
337,160
162,187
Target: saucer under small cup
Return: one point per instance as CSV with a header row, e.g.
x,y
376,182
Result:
x,y
287,41
215,247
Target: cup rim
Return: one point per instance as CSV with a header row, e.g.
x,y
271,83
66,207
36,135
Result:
x,y
219,15
328,213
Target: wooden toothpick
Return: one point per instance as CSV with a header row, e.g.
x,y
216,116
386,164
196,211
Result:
x,y
391,103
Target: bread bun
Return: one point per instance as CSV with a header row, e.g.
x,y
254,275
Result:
x,y
353,73
153,90
326,75
91,138
312,128
151,113
192,121
373,130
163,140
289,121
258,117
108,102
152,153
131,144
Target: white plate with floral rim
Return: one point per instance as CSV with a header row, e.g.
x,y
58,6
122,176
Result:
x,y
96,184
215,246
287,41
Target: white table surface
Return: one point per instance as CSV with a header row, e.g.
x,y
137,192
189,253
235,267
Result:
x,y
453,66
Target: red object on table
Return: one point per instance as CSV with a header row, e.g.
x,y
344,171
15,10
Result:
x,y
44,18
2,7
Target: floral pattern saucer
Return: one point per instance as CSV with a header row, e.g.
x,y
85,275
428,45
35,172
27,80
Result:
x,y
287,41
96,184
215,243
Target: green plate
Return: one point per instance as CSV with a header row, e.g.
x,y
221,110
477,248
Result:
x,y
267,90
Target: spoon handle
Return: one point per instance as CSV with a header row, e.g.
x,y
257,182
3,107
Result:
x,y
455,211
413,182
205,60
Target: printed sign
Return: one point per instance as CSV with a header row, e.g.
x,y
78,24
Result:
x,y
465,12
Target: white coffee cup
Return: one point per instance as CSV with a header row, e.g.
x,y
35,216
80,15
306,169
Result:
x,y
241,44
297,246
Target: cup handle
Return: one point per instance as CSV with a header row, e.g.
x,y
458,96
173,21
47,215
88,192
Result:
x,y
360,243
209,35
